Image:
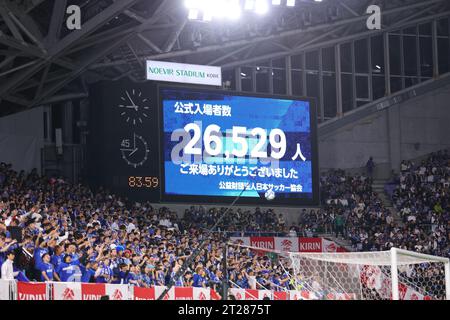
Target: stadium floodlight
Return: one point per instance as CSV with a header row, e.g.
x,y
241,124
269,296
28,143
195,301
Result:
x,y
229,9
249,4
193,14
290,3
261,7
232,9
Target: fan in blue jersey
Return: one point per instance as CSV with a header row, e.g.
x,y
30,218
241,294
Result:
x,y
199,278
39,251
104,273
69,272
122,275
160,277
242,281
47,270
88,271
133,277
178,281
71,250
285,280
57,257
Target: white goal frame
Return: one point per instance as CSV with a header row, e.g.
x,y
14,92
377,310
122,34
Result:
x,y
395,259
394,269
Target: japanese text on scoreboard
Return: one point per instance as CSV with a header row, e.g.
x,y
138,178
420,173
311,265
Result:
x,y
217,144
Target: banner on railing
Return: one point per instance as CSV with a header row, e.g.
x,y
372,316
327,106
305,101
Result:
x,y
201,294
66,291
118,291
174,293
5,289
249,294
152,293
94,291
290,244
32,291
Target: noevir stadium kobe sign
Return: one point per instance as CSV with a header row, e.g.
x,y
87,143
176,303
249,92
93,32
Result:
x,y
184,73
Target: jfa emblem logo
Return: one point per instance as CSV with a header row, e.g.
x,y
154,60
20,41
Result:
x,y
374,20
287,245
117,295
297,296
331,248
68,294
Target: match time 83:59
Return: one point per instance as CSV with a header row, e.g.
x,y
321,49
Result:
x,y
245,309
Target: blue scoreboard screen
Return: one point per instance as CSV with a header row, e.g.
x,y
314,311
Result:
x,y
217,145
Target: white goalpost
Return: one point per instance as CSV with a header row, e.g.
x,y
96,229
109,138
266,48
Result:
x,y
388,275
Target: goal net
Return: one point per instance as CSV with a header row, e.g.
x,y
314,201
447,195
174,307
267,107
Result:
x,y
396,274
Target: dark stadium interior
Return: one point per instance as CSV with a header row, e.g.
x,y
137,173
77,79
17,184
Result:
x,y
91,191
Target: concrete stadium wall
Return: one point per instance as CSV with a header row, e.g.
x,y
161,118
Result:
x,y
22,138
404,131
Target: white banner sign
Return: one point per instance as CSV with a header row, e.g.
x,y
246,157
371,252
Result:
x,y
117,291
67,291
201,294
4,289
286,244
184,73
239,294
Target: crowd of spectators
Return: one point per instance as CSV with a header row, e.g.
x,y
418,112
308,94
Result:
x,y
51,230
423,201
357,212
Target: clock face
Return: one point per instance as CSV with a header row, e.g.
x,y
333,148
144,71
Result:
x,y
135,151
134,107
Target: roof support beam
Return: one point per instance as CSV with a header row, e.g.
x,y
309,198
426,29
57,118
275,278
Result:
x,y
174,36
10,24
98,54
26,31
295,32
56,22
90,26
59,48
22,66
230,54
327,43
147,41
25,19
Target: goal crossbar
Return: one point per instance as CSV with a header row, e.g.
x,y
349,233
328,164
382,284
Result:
x,y
376,258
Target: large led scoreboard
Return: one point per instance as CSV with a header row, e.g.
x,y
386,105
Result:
x,y
192,145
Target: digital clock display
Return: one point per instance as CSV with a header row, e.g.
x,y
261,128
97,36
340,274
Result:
x,y
143,182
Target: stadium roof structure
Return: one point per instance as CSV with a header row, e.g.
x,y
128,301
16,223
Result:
x,y
43,62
